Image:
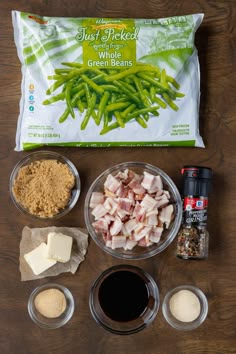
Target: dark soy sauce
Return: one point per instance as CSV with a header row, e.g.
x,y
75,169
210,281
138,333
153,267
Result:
x,y
123,296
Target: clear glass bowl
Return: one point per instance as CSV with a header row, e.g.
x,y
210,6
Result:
x,y
51,323
168,235
185,326
46,155
133,326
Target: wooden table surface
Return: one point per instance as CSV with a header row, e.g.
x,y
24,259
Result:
x,y
216,276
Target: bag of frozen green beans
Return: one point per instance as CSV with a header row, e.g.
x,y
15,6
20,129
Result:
x,y
107,82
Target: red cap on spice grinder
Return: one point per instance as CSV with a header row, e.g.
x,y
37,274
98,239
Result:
x,y
196,181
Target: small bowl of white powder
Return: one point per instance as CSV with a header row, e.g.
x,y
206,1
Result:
x,y
185,307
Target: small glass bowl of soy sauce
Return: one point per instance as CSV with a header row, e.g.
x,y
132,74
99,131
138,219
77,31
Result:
x,y
124,299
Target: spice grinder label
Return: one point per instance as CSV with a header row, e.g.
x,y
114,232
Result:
x,y
195,211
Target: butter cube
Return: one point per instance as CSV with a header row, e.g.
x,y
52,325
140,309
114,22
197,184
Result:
x,y
59,247
37,260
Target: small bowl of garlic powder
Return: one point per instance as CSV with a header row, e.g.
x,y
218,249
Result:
x,y
185,307
51,306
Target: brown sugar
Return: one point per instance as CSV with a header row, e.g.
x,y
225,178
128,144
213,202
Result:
x,y
44,187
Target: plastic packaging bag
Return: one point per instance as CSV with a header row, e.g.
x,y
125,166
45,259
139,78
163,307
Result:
x,y
107,82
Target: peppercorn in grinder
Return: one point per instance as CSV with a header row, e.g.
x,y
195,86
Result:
x,y
193,237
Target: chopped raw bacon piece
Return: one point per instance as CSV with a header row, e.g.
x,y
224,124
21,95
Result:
x,y
131,195
144,242
111,183
124,231
96,198
139,227
155,234
125,204
167,193
157,185
148,180
152,212
101,225
130,244
166,215
116,226
109,194
142,233
162,201
130,226
99,211
122,213
109,243
109,218
139,212
152,219
136,187
118,242
122,191
148,203
123,175
111,205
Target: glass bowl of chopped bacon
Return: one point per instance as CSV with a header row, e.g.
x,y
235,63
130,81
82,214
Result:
x,y
133,210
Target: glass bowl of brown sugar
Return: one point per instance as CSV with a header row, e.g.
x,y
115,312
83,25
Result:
x,y
45,185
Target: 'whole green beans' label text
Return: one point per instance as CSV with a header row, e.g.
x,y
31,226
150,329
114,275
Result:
x,y
108,43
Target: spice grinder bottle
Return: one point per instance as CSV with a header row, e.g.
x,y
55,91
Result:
x,y
193,237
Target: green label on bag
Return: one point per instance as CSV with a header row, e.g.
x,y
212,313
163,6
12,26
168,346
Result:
x,y
108,43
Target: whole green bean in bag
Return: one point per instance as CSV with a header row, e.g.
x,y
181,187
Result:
x,y
107,82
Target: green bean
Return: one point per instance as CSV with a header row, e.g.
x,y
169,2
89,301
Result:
x,y
53,99
128,93
128,110
106,119
152,93
140,90
173,82
62,71
89,112
148,97
87,92
98,77
180,94
108,128
131,71
110,88
73,65
102,105
119,119
54,77
63,80
65,115
146,117
117,106
141,122
95,117
68,98
80,105
156,113
96,88
77,88
128,86
142,111
114,98
160,102
170,102
153,81
163,77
